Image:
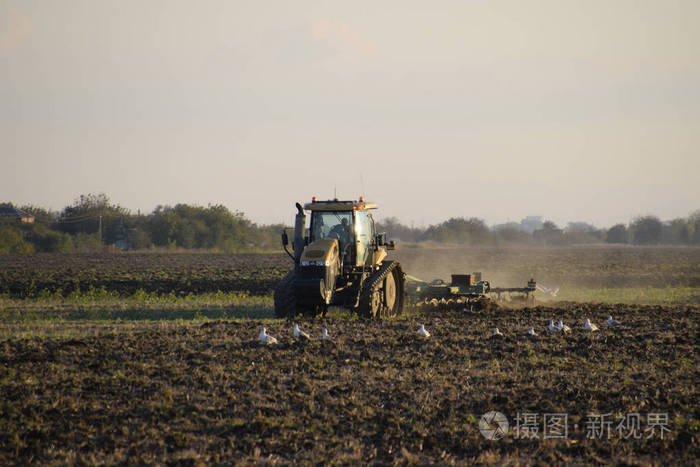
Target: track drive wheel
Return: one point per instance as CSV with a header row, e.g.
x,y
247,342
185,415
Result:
x,y
384,292
375,303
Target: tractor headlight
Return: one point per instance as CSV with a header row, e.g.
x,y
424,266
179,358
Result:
x,y
315,263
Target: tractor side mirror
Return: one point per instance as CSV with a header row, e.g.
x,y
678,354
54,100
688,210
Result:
x,y
285,238
380,239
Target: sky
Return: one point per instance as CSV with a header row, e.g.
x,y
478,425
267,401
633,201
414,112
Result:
x,y
571,110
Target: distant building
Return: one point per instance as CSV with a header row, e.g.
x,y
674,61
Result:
x,y
11,212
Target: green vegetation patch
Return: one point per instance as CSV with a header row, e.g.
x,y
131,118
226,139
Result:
x,y
104,305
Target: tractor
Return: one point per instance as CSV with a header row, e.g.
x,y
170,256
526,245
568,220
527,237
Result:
x,y
341,260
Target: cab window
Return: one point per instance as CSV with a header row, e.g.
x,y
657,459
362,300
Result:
x,y
332,224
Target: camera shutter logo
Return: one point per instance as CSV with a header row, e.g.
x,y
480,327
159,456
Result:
x,y
493,425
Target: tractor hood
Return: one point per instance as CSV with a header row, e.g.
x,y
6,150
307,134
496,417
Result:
x,y
323,252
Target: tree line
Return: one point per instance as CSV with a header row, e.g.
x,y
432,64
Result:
x,y
92,222
643,230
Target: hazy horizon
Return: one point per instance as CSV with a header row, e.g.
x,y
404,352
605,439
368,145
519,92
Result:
x,y
572,110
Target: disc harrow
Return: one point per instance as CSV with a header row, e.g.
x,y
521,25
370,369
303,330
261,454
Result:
x,y
465,292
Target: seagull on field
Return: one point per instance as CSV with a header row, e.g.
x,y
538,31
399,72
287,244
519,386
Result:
x,y
299,333
590,326
532,331
423,332
496,332
552,292
324,334
266,338
612,322
552,326
563,327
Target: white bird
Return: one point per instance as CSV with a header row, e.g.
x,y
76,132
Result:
x,y
552,327
423,332
299,333
496,332
532,331
563,327
266,338
589,326
552,292
324,334
612,322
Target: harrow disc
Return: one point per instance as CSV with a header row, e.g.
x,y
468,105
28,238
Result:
x,y
456,304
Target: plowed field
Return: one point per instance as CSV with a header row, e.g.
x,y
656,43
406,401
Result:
x,y
210,392
180,273
196,391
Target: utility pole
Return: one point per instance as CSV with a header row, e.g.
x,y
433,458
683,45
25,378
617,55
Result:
x,y
100,228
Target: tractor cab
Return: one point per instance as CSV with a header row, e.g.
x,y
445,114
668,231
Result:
x,y
348,222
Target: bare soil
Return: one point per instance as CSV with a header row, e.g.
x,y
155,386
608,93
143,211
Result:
x,y
377,393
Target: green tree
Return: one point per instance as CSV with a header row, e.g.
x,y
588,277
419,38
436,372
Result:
x,y
139,239
472,231
268,237
676,232
94,215
158,225
46,240
395,230
11,239
695,238
617,234
694,227
213,227
646,230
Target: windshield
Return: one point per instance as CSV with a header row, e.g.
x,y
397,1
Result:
x,y
332,224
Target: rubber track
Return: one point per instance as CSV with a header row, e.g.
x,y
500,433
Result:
x,y
374,282
285,303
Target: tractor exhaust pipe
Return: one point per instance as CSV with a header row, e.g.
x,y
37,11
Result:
x,y
299,224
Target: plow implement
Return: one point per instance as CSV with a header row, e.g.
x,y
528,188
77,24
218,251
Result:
x,y
465,292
